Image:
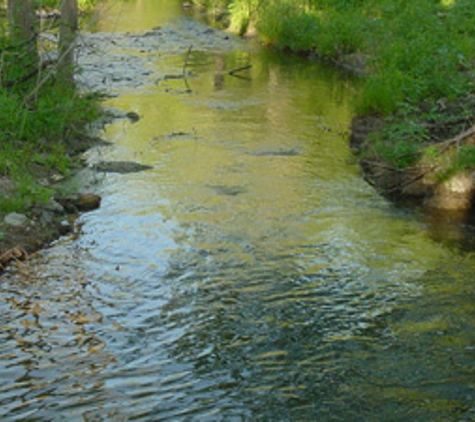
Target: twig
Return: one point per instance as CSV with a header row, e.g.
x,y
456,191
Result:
x,y
375,163
239,69
28,76
401,186
185,64
457,139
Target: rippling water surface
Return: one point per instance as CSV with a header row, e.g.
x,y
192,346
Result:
x,y
252,274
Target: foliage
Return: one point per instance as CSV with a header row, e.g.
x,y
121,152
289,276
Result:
x,y
243,12
36,136
38,118
54,4
297,31
462,160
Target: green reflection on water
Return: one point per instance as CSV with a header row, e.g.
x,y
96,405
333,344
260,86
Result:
x,y
257,180
133,16
252,274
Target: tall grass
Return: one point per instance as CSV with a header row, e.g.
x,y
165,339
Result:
x,y
36,137
39,119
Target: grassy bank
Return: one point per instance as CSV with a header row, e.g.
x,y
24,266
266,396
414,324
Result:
x,y
36,138
41,121
418,58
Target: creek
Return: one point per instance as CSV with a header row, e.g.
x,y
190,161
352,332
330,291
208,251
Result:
x,y
251,273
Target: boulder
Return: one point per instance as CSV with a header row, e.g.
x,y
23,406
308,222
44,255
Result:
x,y
16,220
80,203
456,193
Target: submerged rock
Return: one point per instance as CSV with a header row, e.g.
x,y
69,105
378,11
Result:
x,y
277,153
109,114
228,190
121,167
80,203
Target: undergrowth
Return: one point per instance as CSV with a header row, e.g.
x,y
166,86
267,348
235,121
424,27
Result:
x,y
39,121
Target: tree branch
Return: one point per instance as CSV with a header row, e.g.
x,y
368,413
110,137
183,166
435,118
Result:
x,y
28,76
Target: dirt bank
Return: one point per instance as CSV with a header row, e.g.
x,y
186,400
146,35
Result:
x,y
435,175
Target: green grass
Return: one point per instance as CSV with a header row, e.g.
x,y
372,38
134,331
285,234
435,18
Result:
x,y
40,121
34,138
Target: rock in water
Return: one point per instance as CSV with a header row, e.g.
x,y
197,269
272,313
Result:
x,y
80,203
122,167
88,202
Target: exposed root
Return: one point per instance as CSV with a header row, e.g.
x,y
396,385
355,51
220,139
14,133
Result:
x,y
12,255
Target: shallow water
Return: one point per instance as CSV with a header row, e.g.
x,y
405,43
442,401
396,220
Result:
x,y
252,274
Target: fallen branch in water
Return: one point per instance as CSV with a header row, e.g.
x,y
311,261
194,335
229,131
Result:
x,y
239,69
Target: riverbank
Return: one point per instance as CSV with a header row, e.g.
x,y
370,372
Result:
x,y
437,174
30,228
414,117
110,64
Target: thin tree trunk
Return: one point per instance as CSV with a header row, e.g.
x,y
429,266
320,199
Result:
x,y
21,18
67,40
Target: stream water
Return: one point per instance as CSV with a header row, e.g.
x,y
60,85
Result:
x,y
251,274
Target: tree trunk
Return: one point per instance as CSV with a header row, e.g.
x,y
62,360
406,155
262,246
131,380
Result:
x,y
21,18
67,39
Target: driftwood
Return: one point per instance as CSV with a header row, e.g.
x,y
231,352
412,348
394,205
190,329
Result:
x,y
185,63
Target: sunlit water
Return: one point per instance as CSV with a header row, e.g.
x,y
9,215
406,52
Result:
x,y
252,274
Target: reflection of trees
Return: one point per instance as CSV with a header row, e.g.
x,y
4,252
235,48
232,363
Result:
x,y
139,15
453,228
220,67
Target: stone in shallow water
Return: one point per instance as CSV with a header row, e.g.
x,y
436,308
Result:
x,y
228,190
121,167
277,153
82,202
